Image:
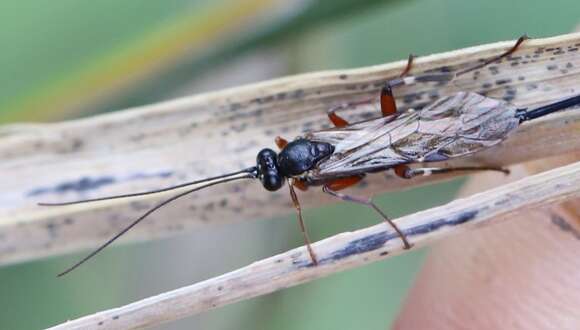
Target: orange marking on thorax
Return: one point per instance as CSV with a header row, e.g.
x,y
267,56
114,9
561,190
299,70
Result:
x,y
280,142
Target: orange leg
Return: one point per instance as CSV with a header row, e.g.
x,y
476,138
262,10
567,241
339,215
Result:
x,y
497,58
388,104
346,182
281,142
296,203
337,120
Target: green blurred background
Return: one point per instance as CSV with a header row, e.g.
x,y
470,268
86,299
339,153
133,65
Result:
x,y
68,59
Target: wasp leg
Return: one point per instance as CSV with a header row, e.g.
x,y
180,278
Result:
x,y
387,100
296,203
300,184
406,172
343,183
337,120
280,142
388,104
409,66
497,58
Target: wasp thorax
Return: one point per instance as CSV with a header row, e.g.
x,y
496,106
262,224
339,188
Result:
x,y
302,155
268,172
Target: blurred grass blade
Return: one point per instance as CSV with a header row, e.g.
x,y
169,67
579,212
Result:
x,y
154,64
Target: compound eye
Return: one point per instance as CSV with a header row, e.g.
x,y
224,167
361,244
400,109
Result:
x,y
272,181
268,170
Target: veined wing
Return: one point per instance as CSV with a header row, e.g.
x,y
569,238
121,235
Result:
x,y
453,126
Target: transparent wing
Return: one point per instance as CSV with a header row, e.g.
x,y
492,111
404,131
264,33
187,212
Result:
x,y
454,126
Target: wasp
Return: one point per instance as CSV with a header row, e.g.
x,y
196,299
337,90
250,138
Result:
x,y
339,157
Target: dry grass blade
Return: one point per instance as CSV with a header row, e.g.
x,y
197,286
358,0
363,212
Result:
x,y
210,134
343,251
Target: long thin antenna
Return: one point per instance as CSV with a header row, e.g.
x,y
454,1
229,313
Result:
x,y
247,170
525,115
248,174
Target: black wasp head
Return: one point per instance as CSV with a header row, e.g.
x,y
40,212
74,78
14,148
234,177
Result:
x,y
268,171
302,155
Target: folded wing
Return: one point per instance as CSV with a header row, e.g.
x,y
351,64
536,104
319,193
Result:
x,y
453,126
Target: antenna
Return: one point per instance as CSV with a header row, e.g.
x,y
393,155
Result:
x,y
150,192
249,173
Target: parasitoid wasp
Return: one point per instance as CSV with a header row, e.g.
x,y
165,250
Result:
x,y
453,126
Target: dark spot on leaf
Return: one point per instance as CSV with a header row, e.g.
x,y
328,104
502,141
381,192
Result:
x,y
503,81
81,185
235,106
445,69
564,225
493,69
52,229
362,245
378,240
298,93
434,225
